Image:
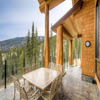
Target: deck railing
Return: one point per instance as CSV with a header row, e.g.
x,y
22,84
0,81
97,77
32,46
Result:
x,y
7,73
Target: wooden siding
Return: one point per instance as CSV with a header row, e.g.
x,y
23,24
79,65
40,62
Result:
x,y
87,16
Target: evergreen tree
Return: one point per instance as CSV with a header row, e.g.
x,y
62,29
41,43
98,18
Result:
x,y
32,42
76,49
54,49
36,49
9,62
21,66
51,45
32,38
67,51
1,65
41,54
75,44
79,48
28,54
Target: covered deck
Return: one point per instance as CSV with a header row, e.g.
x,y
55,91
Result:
x,y
73,90
66,27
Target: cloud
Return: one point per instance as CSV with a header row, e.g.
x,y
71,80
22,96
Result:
x,y
18,15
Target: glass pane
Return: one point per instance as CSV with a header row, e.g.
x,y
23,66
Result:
x,y
98,64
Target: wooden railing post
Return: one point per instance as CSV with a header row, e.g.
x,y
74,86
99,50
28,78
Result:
x,y
5,74
70,52
59,44
46,41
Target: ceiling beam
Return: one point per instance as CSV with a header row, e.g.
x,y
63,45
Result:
x,y
51,3
66,34
73,23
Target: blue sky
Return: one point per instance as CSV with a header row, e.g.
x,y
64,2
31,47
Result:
x,y
17,16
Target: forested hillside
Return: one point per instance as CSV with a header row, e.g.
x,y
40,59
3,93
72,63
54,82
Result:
x,y
15,42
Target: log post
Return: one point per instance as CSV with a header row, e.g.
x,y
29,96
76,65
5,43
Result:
x,y
70,52
59,45
46,41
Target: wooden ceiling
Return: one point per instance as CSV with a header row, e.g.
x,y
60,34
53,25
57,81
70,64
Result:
x,y
51,3
72,27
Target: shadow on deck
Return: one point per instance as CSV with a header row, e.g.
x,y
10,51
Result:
x,y
73,87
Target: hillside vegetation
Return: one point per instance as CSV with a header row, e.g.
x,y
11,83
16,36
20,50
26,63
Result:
x,y
15,43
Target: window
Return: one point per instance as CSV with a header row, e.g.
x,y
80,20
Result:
x,y
97,41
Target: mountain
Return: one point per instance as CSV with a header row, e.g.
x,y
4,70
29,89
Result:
x,y
15,42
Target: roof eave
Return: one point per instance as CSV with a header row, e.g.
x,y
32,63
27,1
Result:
x,y
68,14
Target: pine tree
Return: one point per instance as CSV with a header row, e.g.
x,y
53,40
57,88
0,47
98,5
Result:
x,y
9,63
32,44
36,49
54,49
76,49
51,45
67,51
21,66
79,48
1,65
28,54
42,62
41,53
32,38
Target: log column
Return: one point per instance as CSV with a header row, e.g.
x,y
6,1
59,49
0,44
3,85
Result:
x,y
59,45
70,52
46,42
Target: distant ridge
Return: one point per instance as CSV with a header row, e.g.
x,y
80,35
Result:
x,y
15,42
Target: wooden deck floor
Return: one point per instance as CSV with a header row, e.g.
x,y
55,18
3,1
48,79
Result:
x,y
74,88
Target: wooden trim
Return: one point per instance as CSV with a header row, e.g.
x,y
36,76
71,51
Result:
x,y
98,82
95,2
69,13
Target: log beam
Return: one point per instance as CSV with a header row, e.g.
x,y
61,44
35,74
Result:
x,y
46,41
59,44
70,52
66,34
51,3
79,35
